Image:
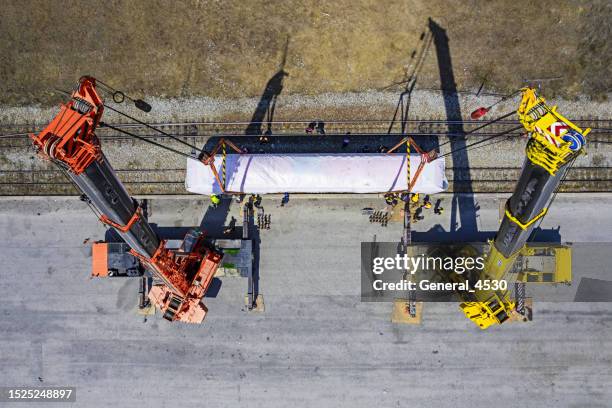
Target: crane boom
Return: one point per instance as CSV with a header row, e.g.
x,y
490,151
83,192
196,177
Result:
x,y
70,142
553,145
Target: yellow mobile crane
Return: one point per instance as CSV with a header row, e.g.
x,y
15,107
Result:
x,y
554,144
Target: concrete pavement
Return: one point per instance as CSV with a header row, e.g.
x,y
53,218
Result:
x,y
316,343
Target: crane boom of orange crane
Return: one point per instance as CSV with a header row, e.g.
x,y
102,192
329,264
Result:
x,y
70,142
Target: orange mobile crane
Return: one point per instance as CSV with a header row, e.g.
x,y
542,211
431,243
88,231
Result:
x,y
183,274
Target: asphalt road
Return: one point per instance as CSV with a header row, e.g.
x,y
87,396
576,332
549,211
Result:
x,y
316,344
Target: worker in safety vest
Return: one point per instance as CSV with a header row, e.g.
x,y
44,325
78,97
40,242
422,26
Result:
x,y
415,198
215,200
390,199
395,199
426,203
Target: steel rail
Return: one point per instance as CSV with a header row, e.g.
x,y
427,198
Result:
x,y
34,128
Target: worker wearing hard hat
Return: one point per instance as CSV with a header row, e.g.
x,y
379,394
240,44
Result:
x,y
215,200
391,199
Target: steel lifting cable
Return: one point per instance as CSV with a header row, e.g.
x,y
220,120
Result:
x,y
407,206
489,144
103,124
224,163
137,121
483,126
482,141
332,134
408,165
144,139
37,130
152,127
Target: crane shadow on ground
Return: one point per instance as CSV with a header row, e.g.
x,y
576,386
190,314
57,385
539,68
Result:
x,y
464,211
264,112
214,220
400,119
438,234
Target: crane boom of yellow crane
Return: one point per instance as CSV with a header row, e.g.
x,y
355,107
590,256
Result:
x,y
553,145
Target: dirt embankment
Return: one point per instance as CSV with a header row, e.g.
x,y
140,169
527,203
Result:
x,y
235,49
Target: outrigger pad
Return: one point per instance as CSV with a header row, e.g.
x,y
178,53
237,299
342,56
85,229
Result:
x,y
315,173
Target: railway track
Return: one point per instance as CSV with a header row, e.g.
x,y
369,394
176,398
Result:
x,y
294,139
16,136
171,181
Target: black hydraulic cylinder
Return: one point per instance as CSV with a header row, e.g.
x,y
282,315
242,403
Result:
x,y
107,194
142,293
531,195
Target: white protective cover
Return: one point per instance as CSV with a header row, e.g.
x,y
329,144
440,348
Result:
x,y
315,173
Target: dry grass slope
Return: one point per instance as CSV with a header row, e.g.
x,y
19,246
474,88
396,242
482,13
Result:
x,y
231,48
